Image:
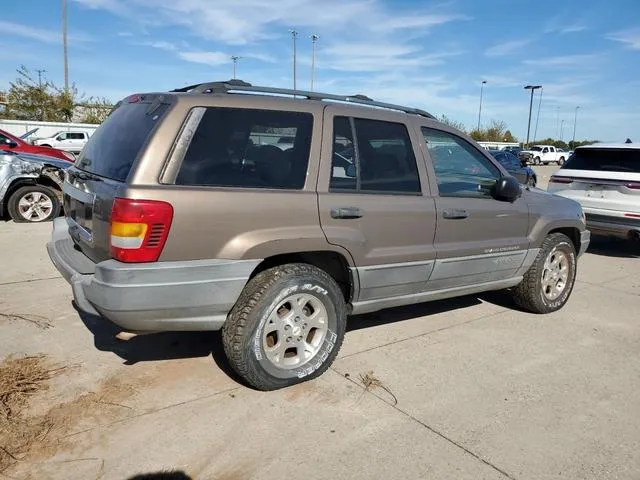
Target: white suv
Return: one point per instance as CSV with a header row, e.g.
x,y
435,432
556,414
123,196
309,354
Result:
x,y
72,142
605,179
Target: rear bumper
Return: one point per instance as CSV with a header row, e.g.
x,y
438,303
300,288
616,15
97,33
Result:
x,y
147,297
616,226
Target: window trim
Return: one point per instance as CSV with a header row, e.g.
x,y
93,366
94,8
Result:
x,y
494,163
356,152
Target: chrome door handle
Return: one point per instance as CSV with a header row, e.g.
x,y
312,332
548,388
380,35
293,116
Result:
x,y
455,214
346,212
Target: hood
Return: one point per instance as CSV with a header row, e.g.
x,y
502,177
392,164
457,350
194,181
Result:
x,y
37,159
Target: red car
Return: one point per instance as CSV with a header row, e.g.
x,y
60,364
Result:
x,y
14,144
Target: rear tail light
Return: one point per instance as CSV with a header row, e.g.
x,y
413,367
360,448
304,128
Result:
x,y
633,186
632,215
565,180
139,229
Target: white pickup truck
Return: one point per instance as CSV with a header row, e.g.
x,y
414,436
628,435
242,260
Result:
x,y
71,141
546,154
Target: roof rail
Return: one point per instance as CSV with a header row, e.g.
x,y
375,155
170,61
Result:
x,y
242,86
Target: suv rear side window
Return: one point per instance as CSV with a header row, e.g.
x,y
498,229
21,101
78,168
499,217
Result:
x,y
604,160
115,145
234,147
383,161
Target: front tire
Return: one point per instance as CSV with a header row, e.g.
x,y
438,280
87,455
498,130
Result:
x,y
287,326
33,204
561,161
547,285
536,161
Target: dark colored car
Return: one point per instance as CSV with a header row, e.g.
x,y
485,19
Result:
x,y
12,143
516,167
520,153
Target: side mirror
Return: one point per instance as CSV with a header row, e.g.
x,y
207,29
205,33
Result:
x,y
507,189
350,171
11,144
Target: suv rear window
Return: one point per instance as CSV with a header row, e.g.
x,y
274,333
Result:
x,y
604,160
115,145
235,147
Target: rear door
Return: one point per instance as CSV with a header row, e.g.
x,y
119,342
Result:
x,y
101,171
478,238
375,202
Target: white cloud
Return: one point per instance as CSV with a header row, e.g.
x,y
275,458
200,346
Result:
x,y
160,44
506,48
254,20
581,60
39,34
630,37
207,58
573,28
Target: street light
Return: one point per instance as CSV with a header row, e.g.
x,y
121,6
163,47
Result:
x,y
575,120
314,39
484,82
65,45
235,62
535,132
532,88
562,130
294,36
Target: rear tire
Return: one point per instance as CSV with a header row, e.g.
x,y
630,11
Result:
x,y
33,204
270,335
548,283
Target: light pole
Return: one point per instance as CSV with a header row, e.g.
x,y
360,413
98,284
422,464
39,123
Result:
x,y
314,39
65,45
532,88
294,36
575,120
235,59
535,132
557,120
484,82
561,130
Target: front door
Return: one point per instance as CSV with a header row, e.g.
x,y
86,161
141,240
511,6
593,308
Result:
x,y
375,203
478,239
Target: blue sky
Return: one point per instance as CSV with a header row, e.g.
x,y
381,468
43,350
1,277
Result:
x,y
432,55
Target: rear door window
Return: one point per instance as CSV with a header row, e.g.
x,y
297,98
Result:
x,y
381,161
242,148
605,160
115,145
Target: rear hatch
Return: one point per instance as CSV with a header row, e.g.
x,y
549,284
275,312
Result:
x,y
101,171
601,178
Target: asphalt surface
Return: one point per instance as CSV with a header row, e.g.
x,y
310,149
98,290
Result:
x,y
468,388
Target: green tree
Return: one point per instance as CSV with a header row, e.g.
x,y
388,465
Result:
x,y
94,110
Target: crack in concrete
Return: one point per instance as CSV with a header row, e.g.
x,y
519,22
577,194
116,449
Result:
x,y
428,427
17,282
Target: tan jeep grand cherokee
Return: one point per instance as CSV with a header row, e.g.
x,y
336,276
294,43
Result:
x,y
188,211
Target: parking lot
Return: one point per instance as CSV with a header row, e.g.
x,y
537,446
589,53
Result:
x,y
469,388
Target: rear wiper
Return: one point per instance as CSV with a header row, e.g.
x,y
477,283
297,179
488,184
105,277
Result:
x,y
86,176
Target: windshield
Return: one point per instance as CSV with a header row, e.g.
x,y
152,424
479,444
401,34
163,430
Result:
x,y
536,149
604,160
115,145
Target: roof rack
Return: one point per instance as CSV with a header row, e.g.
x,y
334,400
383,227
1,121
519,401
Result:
x,y
242,86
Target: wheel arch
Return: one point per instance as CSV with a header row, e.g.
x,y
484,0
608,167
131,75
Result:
x,y
334,263
572,232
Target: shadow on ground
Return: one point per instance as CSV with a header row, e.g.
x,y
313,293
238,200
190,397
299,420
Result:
x,y
613,247
156,346
174,475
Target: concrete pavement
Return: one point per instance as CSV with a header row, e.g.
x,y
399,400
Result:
x,y
470,388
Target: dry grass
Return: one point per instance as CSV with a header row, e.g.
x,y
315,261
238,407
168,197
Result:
x,y
21,378
25,436
370,381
